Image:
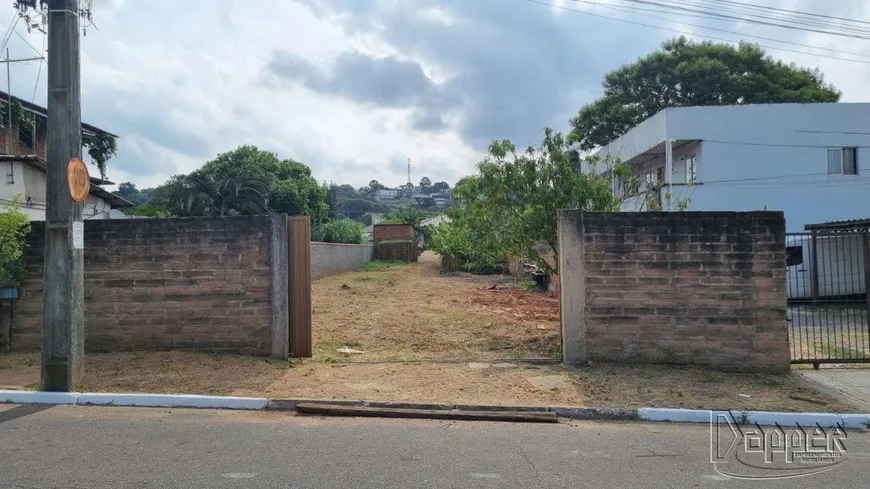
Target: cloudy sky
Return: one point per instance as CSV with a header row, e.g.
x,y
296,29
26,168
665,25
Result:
x,y
353,88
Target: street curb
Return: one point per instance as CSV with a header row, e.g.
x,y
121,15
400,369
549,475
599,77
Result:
x,y
766,418
133,400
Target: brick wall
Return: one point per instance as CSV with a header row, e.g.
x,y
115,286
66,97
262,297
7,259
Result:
x,y
332,258
170,283
20,147
387,232
703,288
394,251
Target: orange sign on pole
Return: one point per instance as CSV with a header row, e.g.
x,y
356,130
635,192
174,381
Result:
x,y
78,180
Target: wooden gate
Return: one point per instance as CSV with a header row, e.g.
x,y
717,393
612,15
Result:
x,y
299,278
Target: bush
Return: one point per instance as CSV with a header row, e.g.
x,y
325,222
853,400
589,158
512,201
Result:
x,y
342,230
459,252
14,226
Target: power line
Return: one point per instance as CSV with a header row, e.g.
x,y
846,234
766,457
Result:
x,y
799,18
710,16
751,20
39,73
8,35
837,132
678,31
630,10
744,143
28,43
765,7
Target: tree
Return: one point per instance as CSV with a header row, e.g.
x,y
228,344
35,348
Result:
x,y
374,186
425,183
229,195
173,196
130,193
510,206
440,187
14,227
292,189
688,73
340,230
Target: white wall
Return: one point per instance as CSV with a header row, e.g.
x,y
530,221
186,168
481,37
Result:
x,y
333,258
768,156
30,182
643,137
787,169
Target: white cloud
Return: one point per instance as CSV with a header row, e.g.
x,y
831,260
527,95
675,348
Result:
x,y
180,84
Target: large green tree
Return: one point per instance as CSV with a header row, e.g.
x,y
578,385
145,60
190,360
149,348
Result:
x,y
687,73
510,206
237,178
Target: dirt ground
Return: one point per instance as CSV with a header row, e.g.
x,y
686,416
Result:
x,y
465,382
428,337
412,312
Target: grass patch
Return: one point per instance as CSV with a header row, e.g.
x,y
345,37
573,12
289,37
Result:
x,y
712,379
374,277
526,283
773,382
378,264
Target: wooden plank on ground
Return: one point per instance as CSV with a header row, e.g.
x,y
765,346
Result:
x,y
514,416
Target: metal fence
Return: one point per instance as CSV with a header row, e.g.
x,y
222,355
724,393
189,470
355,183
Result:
x,y
827,275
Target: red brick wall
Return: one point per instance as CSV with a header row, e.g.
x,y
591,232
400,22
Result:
x,y
386,232
164,283
390,251
703,288
18,146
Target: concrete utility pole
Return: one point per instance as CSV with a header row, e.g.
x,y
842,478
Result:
x,y
63,293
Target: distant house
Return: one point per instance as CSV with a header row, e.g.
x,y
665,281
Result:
x,y
387,194
811,161
25,170
434,220
377,218
442,200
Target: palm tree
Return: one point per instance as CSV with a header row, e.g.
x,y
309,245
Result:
x,y
232,195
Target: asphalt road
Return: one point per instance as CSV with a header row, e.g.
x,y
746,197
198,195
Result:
x,y
100,447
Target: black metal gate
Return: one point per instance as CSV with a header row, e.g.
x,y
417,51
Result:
x,y
827,277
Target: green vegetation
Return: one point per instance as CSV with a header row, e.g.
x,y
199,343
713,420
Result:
x,y
246,180
510,206
712,379
14,226
378,264
341,230
685,73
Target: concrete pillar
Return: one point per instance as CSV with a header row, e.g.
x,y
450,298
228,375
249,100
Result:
x,y
278,258
572,287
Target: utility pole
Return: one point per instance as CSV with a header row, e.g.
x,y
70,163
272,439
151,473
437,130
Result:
x,y
8,105
409,171
63,288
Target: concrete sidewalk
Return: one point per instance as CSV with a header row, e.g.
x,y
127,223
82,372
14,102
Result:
x,y
848,385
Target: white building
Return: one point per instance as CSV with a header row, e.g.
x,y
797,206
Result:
x,y
387,194
811,161
26,179
22,160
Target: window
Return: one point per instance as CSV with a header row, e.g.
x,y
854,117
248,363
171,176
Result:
x,y
650,180
794,255
842,161
690,168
